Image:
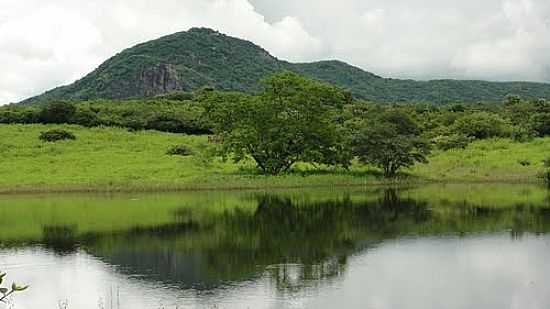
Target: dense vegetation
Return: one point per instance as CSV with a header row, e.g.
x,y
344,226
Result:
x,y
202,57
161,114
298,120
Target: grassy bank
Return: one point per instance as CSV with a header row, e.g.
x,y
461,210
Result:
x,y
111,159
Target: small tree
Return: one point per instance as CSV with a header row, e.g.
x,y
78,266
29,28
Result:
x,y
57,112
389,147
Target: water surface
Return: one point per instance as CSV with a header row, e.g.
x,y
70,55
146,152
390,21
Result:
x,y
479,246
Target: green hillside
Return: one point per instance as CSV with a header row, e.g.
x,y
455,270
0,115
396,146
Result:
x,y
201,57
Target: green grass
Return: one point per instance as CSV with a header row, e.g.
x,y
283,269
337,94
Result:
x,y
113,159
488,160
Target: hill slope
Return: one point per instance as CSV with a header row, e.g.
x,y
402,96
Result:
x,y
203,57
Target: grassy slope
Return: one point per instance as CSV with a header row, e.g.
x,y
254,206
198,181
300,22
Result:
x,y
115,159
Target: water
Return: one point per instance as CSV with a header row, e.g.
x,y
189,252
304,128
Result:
x,y
478,246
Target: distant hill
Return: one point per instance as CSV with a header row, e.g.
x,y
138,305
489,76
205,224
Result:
x,y
186,61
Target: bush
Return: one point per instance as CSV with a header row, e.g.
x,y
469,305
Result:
x,y
56,135
545,176
57,112
453,141
177,96
481,125
179,150
524,162
86,118
541,123
522,134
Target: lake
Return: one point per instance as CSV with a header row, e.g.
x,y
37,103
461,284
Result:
x,y
437,246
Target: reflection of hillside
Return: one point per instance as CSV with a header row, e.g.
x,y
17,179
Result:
x,y
293,244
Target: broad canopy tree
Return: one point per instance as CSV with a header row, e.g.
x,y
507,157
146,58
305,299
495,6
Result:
x,y
391,142
293,119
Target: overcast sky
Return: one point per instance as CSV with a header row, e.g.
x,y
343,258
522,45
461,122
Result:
x,y
46,43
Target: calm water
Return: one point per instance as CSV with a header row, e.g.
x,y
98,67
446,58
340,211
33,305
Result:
x,y
430,247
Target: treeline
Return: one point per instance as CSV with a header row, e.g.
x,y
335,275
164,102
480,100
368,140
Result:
x,y
175,113
295,119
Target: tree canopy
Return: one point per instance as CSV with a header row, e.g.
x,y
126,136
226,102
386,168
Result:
x,y
291,120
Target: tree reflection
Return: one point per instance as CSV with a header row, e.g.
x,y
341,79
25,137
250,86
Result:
x,y
294,245
290,244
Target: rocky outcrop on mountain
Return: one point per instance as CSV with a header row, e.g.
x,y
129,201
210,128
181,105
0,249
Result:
x,y
159,79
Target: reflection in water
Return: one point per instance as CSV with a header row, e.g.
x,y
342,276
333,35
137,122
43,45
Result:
x,y
283,251
61,239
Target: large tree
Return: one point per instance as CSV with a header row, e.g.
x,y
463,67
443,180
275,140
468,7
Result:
x,y
292,120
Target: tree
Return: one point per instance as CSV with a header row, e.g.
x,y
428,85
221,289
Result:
x,y
541,123
481,125
292,120
57,112
390,145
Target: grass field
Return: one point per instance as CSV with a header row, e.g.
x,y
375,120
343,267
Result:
x,y
113,159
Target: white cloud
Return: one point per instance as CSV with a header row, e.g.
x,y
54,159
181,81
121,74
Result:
x,y
43,45
47,43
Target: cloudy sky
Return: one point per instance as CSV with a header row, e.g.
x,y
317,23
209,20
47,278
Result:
x,y
44,44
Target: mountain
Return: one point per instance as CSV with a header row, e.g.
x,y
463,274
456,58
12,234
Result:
x,y
186,61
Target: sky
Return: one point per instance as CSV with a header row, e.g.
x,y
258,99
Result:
x,y
44,44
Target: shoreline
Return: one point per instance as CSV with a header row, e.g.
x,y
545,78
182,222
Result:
x,y
167,188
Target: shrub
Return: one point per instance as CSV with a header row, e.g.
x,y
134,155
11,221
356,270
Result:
x,y
177,96
453,141
522,134
541,123
481,125
56,135
545,176
179,150
524,162
86,118
57,112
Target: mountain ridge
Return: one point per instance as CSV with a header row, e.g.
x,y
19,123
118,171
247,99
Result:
x,y
199,57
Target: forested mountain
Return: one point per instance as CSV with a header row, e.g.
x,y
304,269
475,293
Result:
x,y
200,57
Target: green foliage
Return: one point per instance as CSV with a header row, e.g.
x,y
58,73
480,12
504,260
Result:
x,y
153,114
56,135
481,125
57,112
137,161
452,141
179,150
390,146
7,292
540,122
291,121
177,96
203,57
522,134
